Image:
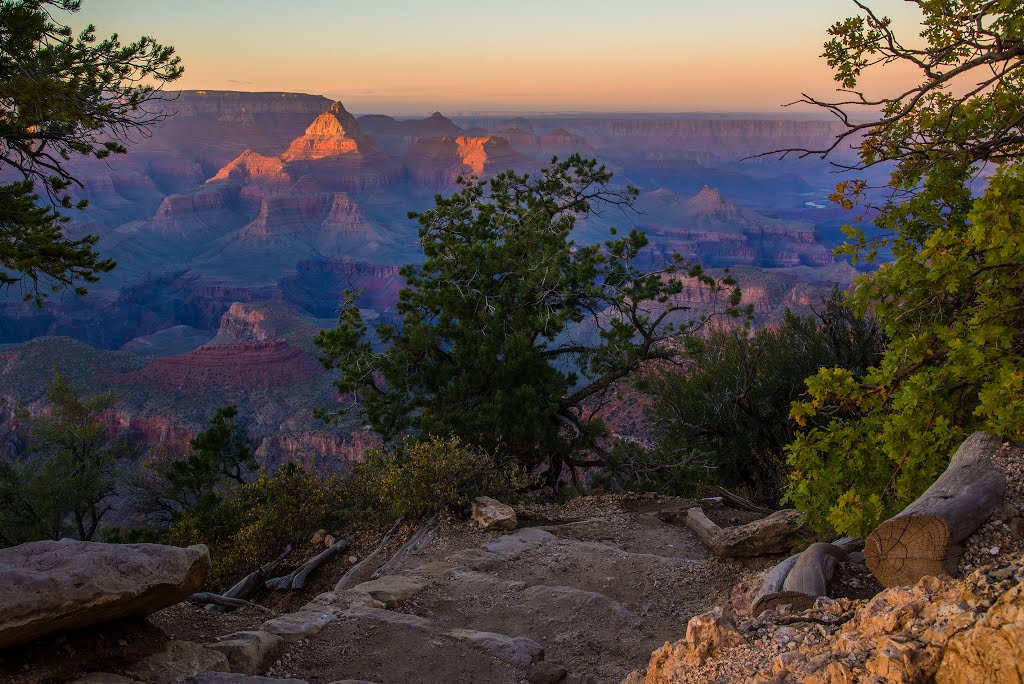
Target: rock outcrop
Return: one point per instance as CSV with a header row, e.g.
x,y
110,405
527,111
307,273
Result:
x,y
333,133
441,160
968,631
53,586
217,367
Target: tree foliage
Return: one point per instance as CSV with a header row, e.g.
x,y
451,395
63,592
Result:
x,y
726,417
509,327
63,95
63,485
950,299
254,522
166,484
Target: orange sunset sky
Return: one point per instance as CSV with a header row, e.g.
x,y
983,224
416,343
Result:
x,y
416,56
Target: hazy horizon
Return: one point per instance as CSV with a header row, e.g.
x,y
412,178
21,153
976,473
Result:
x,y
574,56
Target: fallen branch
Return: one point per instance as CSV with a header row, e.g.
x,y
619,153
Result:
x,y
296,579
737,501
804,578
764,537
347,579
249,583
225,602
413,543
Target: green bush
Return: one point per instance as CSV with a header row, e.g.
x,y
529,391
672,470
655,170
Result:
x,y
417,478
251,523
725,418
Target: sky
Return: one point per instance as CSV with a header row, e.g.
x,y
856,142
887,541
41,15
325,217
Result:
x,y
408,57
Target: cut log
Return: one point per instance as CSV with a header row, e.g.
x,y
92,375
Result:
x,y
414,542
737,501
296,579
804,576
923,539
764,537
350,577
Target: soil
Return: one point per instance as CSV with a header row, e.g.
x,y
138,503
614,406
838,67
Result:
x,y
599,583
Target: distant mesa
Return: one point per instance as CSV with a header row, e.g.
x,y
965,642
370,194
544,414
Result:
x,y
333,133
217,367
443,159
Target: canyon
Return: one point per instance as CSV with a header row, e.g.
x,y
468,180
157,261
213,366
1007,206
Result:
x,y
239,221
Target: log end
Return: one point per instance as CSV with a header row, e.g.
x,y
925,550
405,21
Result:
x,y
906,548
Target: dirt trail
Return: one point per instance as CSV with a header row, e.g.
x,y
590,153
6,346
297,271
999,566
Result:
x,y
597,584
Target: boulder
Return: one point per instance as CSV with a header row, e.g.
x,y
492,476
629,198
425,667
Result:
x,y
53,586
391,590
178,662
491,514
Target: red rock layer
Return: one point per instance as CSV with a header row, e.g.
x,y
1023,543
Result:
x,y
215,367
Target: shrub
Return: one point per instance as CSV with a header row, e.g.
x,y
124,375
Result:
x,y
253,522
725,418
417,478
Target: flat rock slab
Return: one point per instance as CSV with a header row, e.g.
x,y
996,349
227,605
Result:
x,y
235,678
517,651
571,598
249,652
391,590
104,678
390,617
296,626
54,586
179,662
519,541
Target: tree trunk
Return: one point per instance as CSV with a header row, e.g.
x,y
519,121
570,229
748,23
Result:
x,y
355,571
799,580
413,543
924,538
764,537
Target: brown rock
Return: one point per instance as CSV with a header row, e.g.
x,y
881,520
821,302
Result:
x,y
993,650
52,586
178,662
391,590
249,652
491,514
709,633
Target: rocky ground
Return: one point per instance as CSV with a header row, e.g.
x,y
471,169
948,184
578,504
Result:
x,y
967,629
580,592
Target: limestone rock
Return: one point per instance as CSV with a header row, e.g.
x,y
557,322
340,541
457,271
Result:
x,y
52,586
518,651
177,663
993,650
249,652
518,542
491,514
235,678
391,590
296,626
